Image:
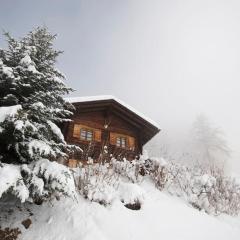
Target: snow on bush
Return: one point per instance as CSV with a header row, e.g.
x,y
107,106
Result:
x,y
96,182
12,181
127,169
156,168
130,193
214,194
109,182
37,181
56,177
120,179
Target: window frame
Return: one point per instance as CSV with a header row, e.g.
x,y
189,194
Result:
x,y
85,137
120,140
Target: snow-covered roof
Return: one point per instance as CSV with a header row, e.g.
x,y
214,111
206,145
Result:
x,y
110,97
8,111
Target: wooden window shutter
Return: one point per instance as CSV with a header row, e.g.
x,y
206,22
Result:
x,y
76,130
97,135
72,163
113,137
131,143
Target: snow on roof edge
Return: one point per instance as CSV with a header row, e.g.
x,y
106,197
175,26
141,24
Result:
x,y
111,97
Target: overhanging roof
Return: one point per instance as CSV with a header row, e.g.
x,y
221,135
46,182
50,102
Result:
x,y
148,127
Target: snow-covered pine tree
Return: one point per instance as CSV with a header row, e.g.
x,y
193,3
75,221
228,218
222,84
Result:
x,y
28,77
209,145
30,81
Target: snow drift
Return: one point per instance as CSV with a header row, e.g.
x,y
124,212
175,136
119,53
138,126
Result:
x,y
161,217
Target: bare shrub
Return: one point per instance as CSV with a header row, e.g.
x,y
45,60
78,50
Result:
x,y
96,182
103,183
215,194
128,169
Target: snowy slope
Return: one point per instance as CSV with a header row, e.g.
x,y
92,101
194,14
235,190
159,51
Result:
x,y
161,217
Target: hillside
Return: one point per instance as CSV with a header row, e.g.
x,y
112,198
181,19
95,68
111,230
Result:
x,y
161,217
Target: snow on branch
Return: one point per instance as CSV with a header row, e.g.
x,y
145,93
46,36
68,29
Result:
x,y
40,180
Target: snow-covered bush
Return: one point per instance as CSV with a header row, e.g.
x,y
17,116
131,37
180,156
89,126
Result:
x,y
156,168
225,195
96,182
135,170
37,181
213,194
119,179
104,183
131,195
128,169
12,181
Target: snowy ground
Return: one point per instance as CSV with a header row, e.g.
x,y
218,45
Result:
x,y
161,217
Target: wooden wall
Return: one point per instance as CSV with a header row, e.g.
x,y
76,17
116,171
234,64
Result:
x,y
107,122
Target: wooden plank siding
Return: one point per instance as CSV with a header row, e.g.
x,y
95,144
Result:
x,y
107,121
103,129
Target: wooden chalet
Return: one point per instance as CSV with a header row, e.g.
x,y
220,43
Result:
x,y
104,126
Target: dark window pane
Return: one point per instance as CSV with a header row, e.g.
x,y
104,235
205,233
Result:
x,y
121,142
118,142
86,135
89,134
83,134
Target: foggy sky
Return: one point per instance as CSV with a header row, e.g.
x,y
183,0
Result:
x,y
169,59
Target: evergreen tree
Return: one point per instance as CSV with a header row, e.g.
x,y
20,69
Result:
x,y
31,84
28,77
209,144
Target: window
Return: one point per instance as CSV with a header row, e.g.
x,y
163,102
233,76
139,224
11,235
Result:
x,y
86,134
121,142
